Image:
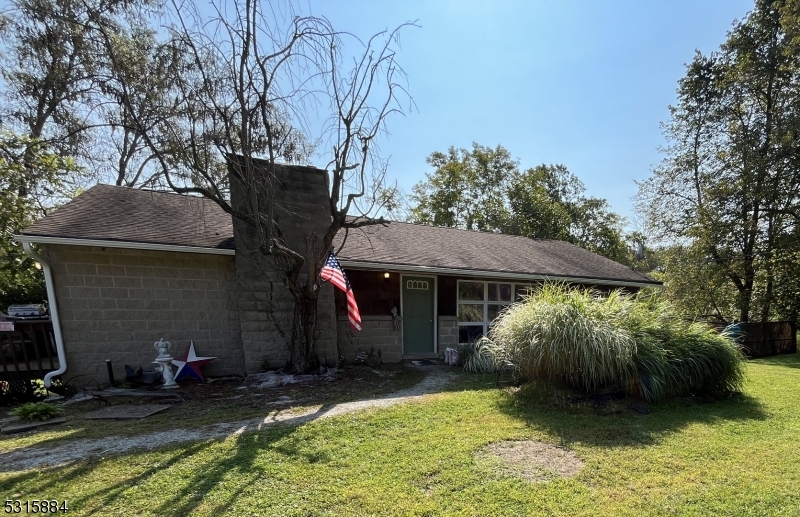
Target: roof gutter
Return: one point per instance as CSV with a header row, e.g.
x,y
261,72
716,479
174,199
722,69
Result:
x,y
51,298
121,244
491,274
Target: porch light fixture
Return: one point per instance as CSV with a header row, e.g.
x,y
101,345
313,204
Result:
x,y
386,277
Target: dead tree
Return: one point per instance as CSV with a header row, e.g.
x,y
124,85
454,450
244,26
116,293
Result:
x,y
264,85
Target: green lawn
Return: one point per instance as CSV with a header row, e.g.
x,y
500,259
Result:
x,y
737,456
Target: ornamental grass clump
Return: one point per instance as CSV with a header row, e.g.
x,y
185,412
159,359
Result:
x,y
676,357
567,335
482,356
638,343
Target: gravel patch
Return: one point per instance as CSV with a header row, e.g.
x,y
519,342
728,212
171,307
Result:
x,y
26,458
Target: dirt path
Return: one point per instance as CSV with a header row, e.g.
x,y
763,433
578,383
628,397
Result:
x,y
37,457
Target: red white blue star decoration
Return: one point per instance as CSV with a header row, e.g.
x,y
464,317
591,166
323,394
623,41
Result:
x,y
189,364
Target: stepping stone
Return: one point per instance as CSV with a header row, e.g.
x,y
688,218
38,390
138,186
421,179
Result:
x,y
127,412
21,427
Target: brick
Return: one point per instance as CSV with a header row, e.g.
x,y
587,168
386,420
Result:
x,y
96,257
113,292
101,303
75,326
81,269
164,294
191,294
152,282
94,337
105,324
143,294
152,261
127,282
176,284
84,292
190,274
138,271
184,304
210,285
123,260
99,281
111,270
72,280
133,325
159,325
157,305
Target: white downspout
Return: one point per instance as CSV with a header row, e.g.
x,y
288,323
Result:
x,y
51,298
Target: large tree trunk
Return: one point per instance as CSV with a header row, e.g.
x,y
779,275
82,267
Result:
x,y
303,353
745,301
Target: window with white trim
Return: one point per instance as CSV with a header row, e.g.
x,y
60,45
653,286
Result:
x,y
479,304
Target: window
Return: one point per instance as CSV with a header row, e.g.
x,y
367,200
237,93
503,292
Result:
x,y
421,285
479,304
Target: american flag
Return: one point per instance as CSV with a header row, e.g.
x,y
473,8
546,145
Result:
x,y
332,272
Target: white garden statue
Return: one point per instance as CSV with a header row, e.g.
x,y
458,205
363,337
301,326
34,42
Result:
x,y
164,362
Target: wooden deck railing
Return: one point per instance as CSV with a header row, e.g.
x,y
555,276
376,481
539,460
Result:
x,y
29,351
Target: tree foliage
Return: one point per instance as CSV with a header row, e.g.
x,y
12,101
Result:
x,y
55,70
728,189
20,280
483,189
61,129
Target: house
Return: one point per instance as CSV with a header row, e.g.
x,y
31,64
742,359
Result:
x,y
127,267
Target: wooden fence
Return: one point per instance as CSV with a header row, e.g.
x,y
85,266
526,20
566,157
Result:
x,y
766,339
771,338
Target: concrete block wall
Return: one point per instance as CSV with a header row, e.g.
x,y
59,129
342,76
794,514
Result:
x,y
266,307
448,333
266,311
114,303
377,332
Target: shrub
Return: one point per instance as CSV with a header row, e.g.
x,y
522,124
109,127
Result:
x,y
676,357
639,343
36,411
482,356
569,335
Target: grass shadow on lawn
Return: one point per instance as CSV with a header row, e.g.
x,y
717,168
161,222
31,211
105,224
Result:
x,y
785,360
190,470
573,419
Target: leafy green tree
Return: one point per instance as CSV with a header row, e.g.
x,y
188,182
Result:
x,y
694,283
40,172
548,202
483,189
542,202
56,75
467,189
729,186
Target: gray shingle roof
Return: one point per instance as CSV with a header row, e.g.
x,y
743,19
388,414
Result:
x,y
107,213
450,248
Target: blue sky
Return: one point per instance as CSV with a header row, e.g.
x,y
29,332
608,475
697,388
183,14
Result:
x,y
583,83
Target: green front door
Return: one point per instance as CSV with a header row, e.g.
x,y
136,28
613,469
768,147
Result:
x,y
418,317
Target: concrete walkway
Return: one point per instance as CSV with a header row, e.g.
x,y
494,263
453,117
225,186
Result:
x,y
33,457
